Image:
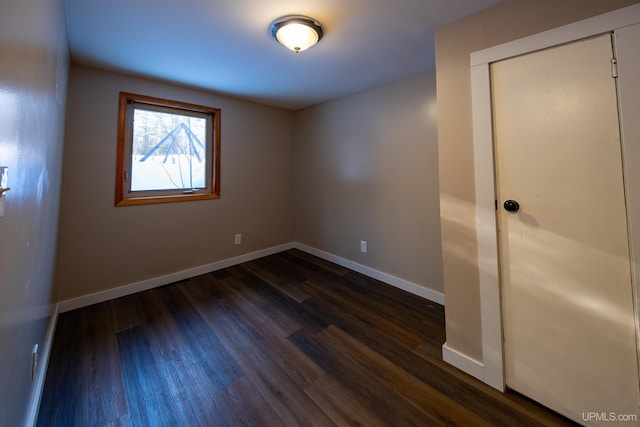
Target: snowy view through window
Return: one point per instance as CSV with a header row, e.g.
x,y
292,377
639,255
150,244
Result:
x,y
169,151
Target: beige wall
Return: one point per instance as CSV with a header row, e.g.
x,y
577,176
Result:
x,y
33,79
366,169
102,247
504,22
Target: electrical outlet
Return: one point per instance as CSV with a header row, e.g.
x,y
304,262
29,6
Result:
x,y
34,362
363,246
238,239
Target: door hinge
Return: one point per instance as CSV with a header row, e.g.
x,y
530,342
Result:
x,y
614,68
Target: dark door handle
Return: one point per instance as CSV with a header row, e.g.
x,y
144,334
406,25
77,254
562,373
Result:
x,y
511,206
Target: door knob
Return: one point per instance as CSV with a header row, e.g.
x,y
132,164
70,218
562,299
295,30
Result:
x,y
511,206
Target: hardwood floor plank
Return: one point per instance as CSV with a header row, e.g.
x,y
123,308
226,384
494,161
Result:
x,y
102,368
281,351
338,304
277,320
190,364
92,358
148,392
275,385
341,405
209,356
247,407
282,303
62,402
414,314
422,396
280,277
158,395
353,375
438,375
127,311
312,263
507,408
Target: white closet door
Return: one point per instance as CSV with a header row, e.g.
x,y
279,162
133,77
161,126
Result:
x,y
567,300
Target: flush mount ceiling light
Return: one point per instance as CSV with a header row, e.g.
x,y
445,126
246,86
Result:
x,y
297,32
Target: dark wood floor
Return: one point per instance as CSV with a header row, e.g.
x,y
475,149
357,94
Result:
x,y
285,340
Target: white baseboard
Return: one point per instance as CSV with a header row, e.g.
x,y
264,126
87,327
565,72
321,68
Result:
x,y
463,362
405,285
98,297
41,373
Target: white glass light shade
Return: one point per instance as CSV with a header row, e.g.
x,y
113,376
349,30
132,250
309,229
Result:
x,y
297,37
297,33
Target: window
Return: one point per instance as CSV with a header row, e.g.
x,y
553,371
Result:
x,y
168,151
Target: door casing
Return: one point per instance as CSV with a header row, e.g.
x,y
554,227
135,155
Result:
x,y
490,301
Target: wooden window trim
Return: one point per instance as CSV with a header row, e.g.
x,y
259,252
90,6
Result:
x,y
123,199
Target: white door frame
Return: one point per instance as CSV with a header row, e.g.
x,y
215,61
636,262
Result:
x,y
493,363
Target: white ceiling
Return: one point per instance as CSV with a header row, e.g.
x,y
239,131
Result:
x,y
225,46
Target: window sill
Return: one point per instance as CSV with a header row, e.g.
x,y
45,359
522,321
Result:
x,y
165,199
